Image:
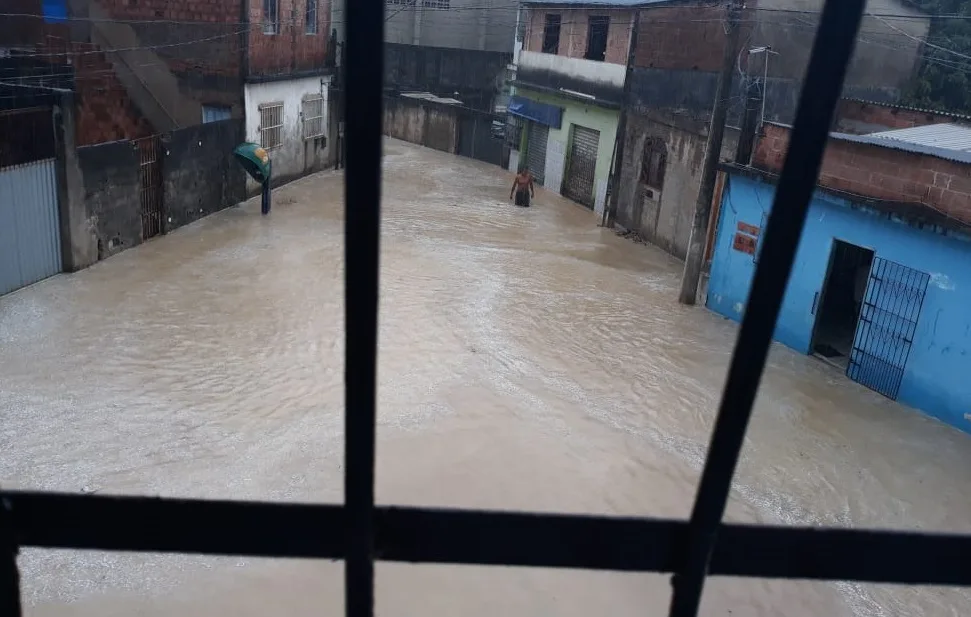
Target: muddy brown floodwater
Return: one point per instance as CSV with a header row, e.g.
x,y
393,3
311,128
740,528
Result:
x,y
528,360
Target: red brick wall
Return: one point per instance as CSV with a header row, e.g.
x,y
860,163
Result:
x,y
684,37
881,173
208,34
574,28
860,117
291,50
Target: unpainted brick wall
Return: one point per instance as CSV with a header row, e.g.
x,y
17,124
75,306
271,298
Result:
x,y
291,50
880,173
860,117
574,26
104,110
685,37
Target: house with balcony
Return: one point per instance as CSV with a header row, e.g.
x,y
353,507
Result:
x,y
569,90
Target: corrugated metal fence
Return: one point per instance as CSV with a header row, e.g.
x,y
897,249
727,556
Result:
x,y
30,239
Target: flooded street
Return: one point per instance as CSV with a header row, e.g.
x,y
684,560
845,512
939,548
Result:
x,y
528,360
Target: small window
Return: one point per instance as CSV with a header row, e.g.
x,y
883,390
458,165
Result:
x,y
597,38
313,117
653,163
271,16
310,27
215,113
436,4
551,34
271,125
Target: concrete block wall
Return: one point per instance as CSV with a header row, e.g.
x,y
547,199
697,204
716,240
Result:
x,y
880,173
199,177
111,196
199,174
575,27
433,125
664,217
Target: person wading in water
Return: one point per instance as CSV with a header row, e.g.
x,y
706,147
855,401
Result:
x,y
522,187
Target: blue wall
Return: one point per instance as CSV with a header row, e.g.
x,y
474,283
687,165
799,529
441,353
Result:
x,y
937,379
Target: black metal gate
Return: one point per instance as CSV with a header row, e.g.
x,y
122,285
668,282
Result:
x,y
476,139
888,321
536,143
582,165
150,184
359,532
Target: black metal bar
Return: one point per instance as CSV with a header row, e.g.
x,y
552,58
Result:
x,y
425,535
821,88
9,576
362,199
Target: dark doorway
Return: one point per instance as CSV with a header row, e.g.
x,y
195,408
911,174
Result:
x,y
597,38
837,306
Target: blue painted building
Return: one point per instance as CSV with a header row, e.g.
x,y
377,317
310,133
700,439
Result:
x,y
876,293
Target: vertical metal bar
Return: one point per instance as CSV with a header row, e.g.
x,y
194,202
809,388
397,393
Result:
x,y
9,577
362,190
821,88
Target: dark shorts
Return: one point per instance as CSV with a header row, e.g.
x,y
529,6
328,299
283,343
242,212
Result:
x,y
522,198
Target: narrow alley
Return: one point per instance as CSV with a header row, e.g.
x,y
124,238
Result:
x,y
528,360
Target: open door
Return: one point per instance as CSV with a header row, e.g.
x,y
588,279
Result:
x,y
839,303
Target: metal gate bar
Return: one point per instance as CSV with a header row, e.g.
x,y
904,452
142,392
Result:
x,y
886,326
362,228
358,532
150,184
429,535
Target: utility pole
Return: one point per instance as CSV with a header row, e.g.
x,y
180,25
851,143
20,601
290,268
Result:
x,y
716,130
617,162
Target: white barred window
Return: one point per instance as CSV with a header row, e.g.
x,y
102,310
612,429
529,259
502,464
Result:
x,y
313,117
436,4
271,125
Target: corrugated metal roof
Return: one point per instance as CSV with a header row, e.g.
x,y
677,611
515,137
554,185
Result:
x,y
604,3
947,136
924,110
950,154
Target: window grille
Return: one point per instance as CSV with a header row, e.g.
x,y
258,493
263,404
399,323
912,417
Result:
x,y
271,16
359,532
436,4
271,125
313,117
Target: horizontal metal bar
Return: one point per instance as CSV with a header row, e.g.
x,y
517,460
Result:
x,y
423,535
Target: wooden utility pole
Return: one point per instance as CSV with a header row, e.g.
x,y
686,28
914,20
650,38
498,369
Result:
x,y
617,162
716,130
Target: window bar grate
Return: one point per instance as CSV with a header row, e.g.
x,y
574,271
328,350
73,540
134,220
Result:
x,y
830,57
358,532
362,228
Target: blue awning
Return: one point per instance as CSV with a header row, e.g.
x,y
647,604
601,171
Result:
x,y
550,115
